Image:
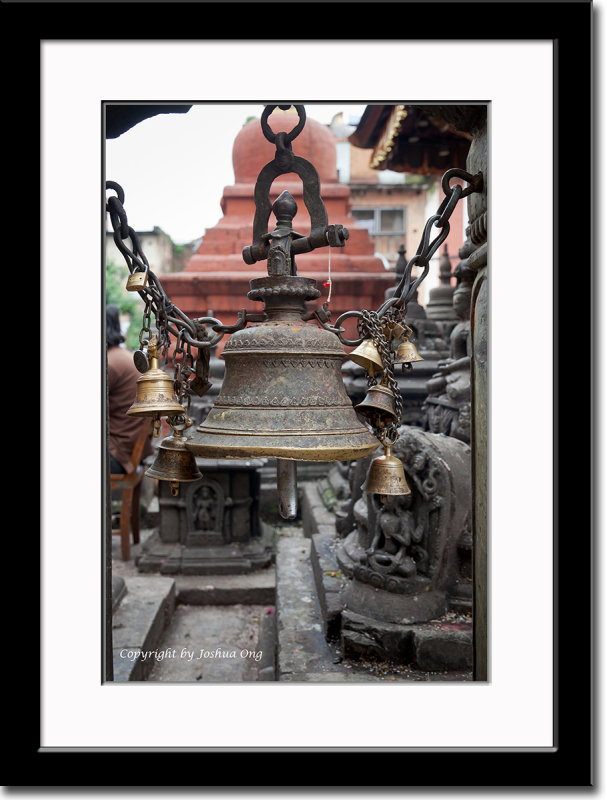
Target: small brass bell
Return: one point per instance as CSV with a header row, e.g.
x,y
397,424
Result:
x,y
174,463
367,355
386,476
155,394
378,407
407,353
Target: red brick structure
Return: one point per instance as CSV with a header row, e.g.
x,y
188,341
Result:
x,y
217,279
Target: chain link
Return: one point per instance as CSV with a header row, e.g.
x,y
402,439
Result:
x,y
380,325
371,327
169,320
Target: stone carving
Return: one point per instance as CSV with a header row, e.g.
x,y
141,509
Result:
x,y
213,526
395,547
207,507
447,407
407,547
355,473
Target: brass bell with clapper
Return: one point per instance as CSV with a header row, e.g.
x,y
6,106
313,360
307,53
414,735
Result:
x,y
174,462
367,356
155,393
386,476
379,406
407,353
382,408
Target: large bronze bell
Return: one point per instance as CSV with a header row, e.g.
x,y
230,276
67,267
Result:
x,y
174,463
386,476
283,395
367,356
155,395
378,407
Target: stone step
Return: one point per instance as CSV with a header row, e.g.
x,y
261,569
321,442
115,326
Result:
x,y
216,644
138,625
254,588
303,653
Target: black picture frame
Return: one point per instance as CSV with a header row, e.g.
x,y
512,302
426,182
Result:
x,y
570,762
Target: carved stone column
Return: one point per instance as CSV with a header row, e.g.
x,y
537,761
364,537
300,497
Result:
x,y
477,261
473,119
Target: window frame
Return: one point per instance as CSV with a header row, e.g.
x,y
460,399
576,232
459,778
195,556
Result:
x,y
377,210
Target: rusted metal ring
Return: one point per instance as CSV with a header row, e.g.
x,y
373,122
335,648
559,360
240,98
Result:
x,y
118,216
475,181
338,321
269,133
115,187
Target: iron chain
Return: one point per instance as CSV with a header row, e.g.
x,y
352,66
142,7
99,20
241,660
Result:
x,y
168,318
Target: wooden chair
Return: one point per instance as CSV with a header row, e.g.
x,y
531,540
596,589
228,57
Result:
x,y
130,483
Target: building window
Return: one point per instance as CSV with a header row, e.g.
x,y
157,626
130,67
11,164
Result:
x,y
381,221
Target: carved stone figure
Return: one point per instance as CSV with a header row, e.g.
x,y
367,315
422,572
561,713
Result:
x,y
395,547
205,504
402,558
447,407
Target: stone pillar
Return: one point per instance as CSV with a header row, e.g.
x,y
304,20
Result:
x,y
477,262
473,120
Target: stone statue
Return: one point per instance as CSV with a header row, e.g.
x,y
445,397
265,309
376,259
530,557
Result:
x,y
205,515
405,549
395,546
447,408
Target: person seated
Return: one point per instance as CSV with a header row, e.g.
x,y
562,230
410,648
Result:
x,y
122,375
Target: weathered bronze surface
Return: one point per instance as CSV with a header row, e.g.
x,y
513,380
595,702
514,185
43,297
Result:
x,y
367,356
378,407
155,395
283,395
386,476
407,353
174,463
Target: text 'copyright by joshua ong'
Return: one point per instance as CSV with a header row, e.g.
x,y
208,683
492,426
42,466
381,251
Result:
x,y
133,654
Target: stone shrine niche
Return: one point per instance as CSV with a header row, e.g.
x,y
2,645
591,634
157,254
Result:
x,y
402,558
213,525
204,511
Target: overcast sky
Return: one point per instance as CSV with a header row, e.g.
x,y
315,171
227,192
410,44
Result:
x,y
174,167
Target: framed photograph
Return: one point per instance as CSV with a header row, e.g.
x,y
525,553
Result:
x,y
527,721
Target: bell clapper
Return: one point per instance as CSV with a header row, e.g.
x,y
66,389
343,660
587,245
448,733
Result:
x,y
286,482
174,488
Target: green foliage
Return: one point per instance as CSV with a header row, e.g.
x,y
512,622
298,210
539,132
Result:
x,y
132,334
127,302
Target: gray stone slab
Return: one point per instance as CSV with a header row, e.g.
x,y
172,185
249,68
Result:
x,y
329,581
138,625
254,588
443,649
302,647
219,644
313,511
